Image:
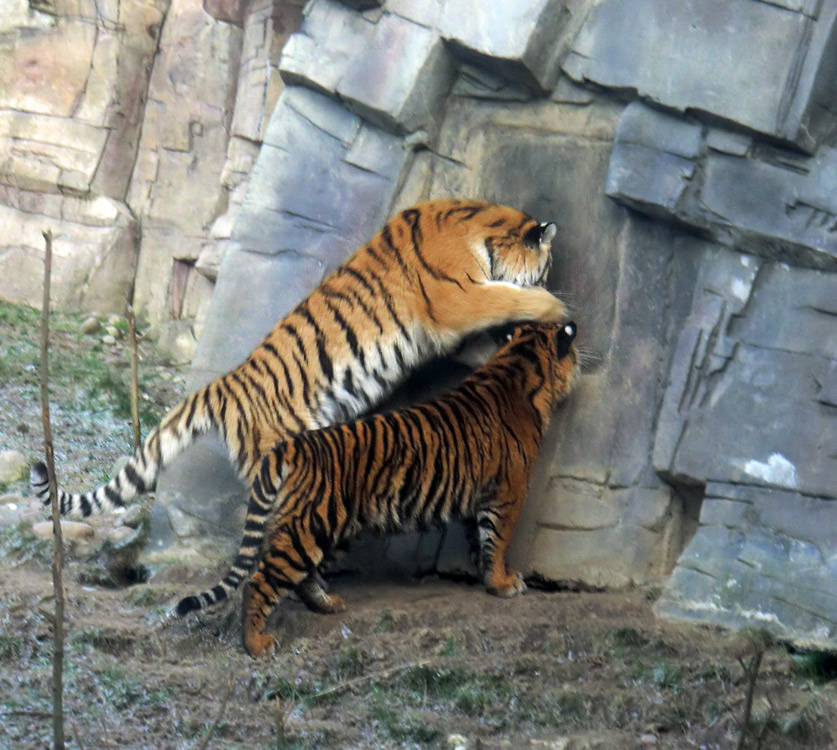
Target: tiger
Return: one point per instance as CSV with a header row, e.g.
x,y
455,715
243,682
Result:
x,y
433,275
465,455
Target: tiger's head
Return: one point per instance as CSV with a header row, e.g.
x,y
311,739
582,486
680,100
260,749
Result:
x,y
522,254
508,245
553,346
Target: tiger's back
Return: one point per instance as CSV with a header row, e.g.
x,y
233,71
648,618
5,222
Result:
x,y
465,455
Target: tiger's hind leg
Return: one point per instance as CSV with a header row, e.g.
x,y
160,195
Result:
x,y
290,556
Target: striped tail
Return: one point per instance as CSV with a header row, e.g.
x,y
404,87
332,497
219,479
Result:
x,y
261,503
178,429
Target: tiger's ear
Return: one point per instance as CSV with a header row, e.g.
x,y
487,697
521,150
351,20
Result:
x,y
541,234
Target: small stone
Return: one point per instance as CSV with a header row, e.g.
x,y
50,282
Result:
x,y
113,331
119,535
648,739
13,466
90,326
70,530
115,319
133,516
109,340
457,742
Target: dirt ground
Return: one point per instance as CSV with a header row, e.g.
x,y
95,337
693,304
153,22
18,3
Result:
x,y
428,663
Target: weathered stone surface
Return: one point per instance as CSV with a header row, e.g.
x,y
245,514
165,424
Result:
x,y
183,147
330,37
735,48
72,531
94,246
294,226
744,403
762,558
770,202
516,39
402,79
749,411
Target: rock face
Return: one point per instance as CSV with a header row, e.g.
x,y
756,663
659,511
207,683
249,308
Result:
x,y
129,128
696,250
690,168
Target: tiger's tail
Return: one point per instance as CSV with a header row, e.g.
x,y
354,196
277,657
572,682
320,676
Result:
x,y
259,506
179,428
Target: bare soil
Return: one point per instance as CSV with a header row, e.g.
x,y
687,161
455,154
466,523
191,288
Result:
x,y
428,663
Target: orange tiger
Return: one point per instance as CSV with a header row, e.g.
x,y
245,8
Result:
x,y
467,454
432,275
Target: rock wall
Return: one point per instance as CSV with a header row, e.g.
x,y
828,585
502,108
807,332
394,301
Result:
x,y
691,170
129,128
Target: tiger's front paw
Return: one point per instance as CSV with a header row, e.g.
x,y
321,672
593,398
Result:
x,y
327,604
510,585
259,644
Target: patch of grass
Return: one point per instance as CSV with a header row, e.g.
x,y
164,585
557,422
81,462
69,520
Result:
x,y
386,622
402,726
627,638
19,543
350,664
11,647
818,666
142,596
122,691
451,647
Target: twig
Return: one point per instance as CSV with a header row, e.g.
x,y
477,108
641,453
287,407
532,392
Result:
x,y
58,559
282,719
217,721
76,732
751,672
132,340
26,712
366,678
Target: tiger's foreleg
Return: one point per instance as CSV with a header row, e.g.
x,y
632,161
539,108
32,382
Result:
x,y
315,597
495,523
496,303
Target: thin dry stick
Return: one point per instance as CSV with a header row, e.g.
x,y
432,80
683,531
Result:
x,y
751,672
58,559
366,678
132,334
76,732
282,719
217,721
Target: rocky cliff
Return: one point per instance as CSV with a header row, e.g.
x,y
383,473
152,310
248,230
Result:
x,y
129,128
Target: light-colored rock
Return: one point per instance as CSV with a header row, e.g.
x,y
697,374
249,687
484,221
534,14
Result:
x,y
133,516
93,261
13,466
90,326
70,530
108,339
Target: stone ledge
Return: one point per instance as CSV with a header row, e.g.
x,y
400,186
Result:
x,y
748,196
771,566
735,47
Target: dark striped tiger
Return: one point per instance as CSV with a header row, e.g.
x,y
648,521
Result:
x,y
434,274
467,454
